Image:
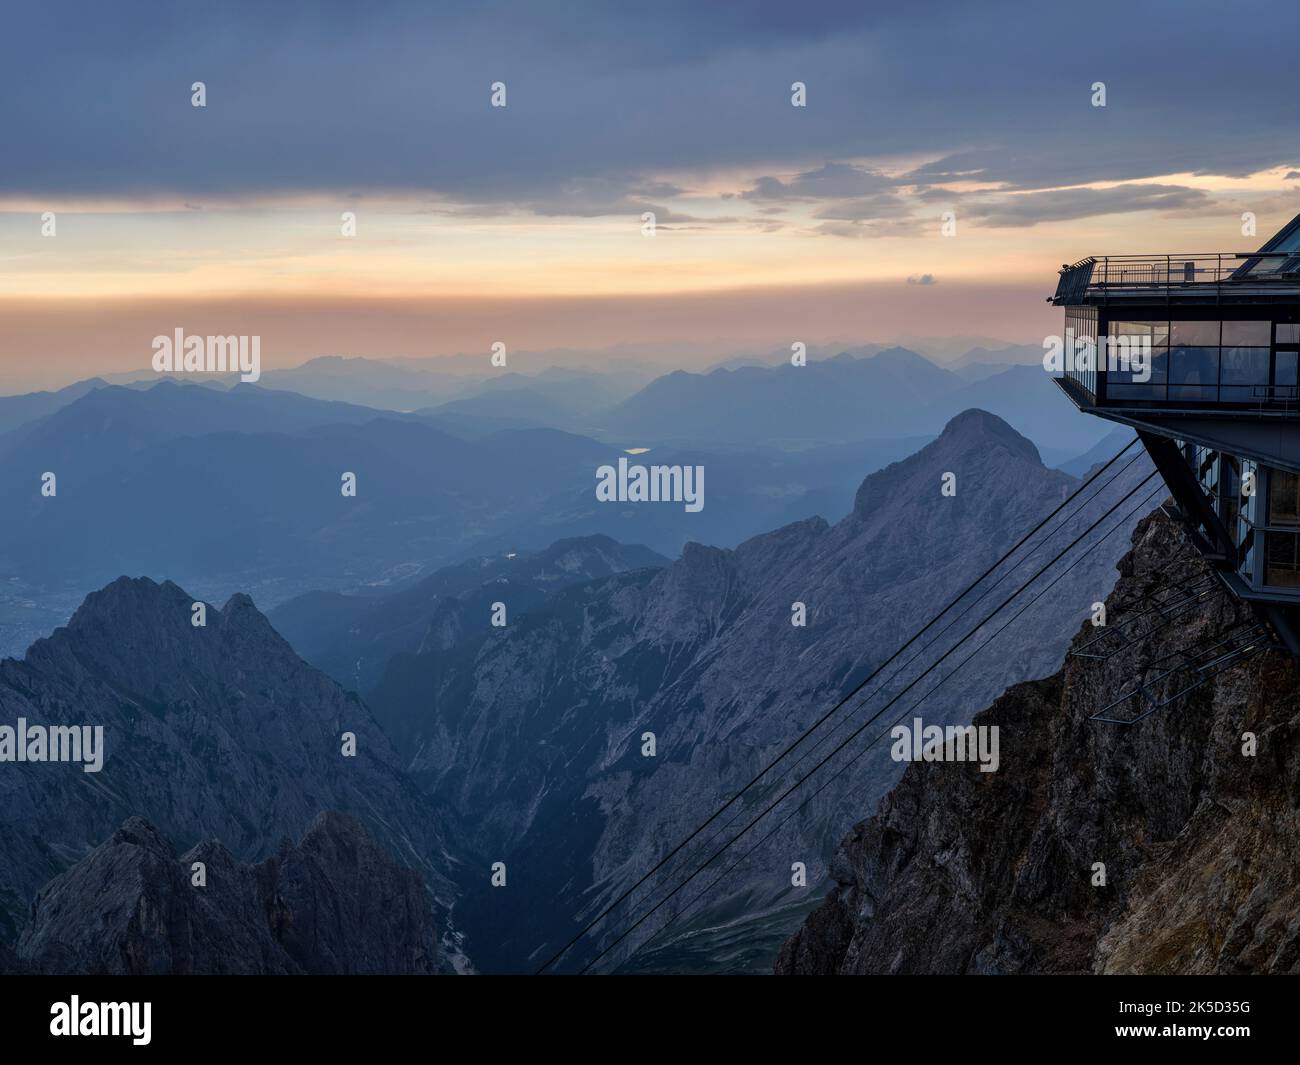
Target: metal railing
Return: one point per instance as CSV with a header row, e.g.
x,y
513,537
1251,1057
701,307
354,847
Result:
x,y
1287,394
1165,273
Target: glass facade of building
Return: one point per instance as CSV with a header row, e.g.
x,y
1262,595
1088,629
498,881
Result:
x,y
1282,538
1081,325
1260,508
1203,362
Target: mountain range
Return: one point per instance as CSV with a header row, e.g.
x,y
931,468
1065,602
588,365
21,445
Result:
x,y
521,744
536,731
893,392
241,490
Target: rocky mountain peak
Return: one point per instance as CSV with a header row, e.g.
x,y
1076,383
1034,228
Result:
x,y
137,832
977,428
979,448
126,595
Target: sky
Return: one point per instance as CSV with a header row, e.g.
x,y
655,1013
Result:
x,y
524,223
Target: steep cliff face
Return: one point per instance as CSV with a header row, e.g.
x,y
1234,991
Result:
x,y
334,903
536,731
962,871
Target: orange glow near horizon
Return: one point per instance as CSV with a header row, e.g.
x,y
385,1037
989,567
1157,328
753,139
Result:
x,y
425,278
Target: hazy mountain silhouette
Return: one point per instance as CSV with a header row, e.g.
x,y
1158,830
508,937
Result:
x,y
1109,445
240,489
18,410
895,392
828,401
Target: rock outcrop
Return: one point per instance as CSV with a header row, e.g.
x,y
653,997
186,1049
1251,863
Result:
x,y
335,903
969,872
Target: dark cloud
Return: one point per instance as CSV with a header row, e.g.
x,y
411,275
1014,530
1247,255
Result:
x,y
923,279
1056,205
394,97
882,206
837,180
601,196
867,229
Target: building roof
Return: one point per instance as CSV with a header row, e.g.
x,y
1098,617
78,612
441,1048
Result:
x,y
1271,260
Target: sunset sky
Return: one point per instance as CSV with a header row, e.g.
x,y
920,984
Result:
x,y
523,223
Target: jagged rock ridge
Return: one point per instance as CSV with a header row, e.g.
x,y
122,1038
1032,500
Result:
x,y
335,903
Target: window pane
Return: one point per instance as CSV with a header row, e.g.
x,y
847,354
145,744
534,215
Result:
x,y
1245,375
1283,498
1269,265
1201,334
1245,366
1284,370
1282,560
1194,373
1246,334
1157,331
1288,333
1151,392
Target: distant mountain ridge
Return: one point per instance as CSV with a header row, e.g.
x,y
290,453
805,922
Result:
x,y
21,409
891,392
240,489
